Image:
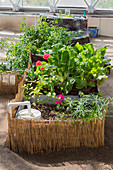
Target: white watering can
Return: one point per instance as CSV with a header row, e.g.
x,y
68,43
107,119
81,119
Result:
x,y
25,113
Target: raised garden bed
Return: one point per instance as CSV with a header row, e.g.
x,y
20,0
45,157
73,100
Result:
x,y
9,83
65,66
72,24
35,136
77,23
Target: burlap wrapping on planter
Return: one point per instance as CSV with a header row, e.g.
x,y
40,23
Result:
x,y
35,136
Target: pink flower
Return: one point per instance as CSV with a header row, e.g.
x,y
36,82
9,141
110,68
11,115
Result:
x,y
58,102
38,63
61,96
45,56
42,68
88,81
93,79
52,70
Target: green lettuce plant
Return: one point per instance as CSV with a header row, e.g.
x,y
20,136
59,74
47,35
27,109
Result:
x,y
90,65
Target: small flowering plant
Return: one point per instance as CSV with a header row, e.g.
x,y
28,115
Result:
x,y
60,97
60,102
46,56
38,63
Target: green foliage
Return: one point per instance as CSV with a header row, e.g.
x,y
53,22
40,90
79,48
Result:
x,y
63,59
33,40
90,65
31,73
80,66
39,40
3,44
84,108
69,15
3,67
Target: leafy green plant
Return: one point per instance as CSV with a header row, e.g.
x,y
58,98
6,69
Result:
x,y
3,43
69,15
39,40
84,108
28,89
63,58
35,40
80,66
90,65
3,67
31,75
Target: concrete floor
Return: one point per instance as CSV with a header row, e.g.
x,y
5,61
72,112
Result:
x,y
104,41
87,159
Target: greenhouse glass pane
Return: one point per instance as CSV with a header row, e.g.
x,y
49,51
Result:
x,y
35,3
68,3
5,3
108,4
72,3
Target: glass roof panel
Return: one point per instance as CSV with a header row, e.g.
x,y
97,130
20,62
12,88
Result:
x,y
5,3
35,3
72,3
107,4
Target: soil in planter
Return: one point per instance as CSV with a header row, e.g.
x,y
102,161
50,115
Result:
x,y
50,110
47,110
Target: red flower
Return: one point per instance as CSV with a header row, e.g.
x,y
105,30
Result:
x,y
42,68
38,63
61,96
88,81
45,56
58,102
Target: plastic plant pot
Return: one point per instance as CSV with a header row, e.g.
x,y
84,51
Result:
x,y
93,32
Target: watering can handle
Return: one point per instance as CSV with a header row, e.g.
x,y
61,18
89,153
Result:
x,y
19,103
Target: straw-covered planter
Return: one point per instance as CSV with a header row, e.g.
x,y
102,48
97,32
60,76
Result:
x,y
35,136
9,83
